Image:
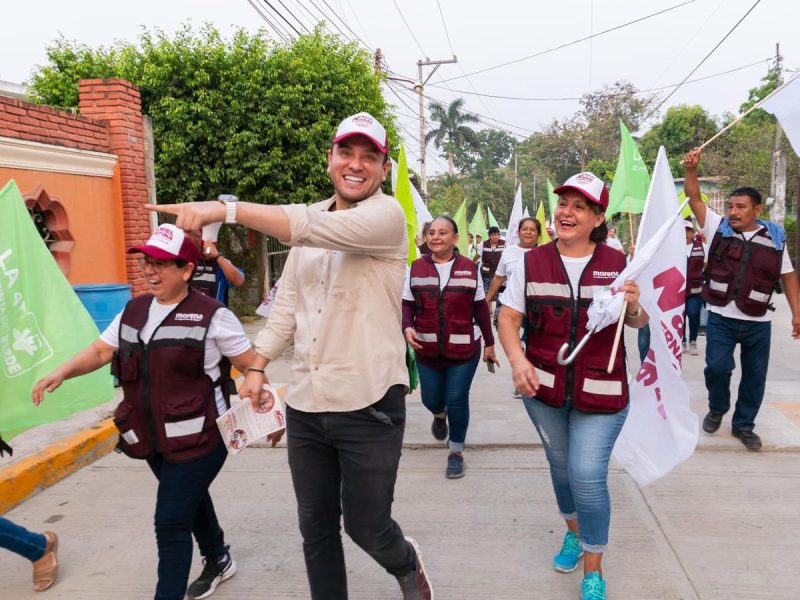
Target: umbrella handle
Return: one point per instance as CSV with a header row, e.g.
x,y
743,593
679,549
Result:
x,y
565,361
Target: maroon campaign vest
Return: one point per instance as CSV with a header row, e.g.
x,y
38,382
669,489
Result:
x,y
694,268
743,271
444,318
491,257
168,401
558,314
204,278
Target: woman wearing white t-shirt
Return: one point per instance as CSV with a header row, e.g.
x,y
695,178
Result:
x,y
176,430
529,232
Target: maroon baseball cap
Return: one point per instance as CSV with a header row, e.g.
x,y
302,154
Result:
x,y
169,243
588,185
363,124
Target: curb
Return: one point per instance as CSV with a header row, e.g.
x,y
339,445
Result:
x,y
25,478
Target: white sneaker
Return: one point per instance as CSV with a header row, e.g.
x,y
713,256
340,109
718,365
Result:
x,y
693,349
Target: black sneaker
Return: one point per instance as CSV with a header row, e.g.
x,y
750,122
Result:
x,y
750,439
214,573
439,428
416,585
455,466
712,421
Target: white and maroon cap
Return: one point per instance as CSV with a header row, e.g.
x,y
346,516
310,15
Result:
x,y
168,243
588,185
363,124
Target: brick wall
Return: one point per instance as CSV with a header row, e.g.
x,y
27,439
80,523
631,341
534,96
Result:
x,y
110,122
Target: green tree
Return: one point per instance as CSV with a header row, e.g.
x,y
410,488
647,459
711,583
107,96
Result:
x,y
682,128
493,149
452,130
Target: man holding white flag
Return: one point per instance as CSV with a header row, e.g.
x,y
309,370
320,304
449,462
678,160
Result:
x,y
746,259
661,430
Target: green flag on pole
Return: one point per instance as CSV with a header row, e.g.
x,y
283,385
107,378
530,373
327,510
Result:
x,y
42,324
478,226
492,220
461,221
552,199
545,237
631,181
403,194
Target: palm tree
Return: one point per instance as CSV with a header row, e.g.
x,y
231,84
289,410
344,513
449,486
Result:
x,y
452,131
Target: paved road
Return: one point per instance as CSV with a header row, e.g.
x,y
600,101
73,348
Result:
x,y
718,527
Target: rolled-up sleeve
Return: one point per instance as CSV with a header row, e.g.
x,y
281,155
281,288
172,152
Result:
x,y
375,227
278,333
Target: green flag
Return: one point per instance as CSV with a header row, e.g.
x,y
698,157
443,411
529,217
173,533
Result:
x,y
461,221
545,237
492,220
631,181
552,199
687,211
403,194
42,324
478,226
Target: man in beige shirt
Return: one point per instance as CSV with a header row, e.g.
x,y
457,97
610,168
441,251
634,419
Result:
x,y
339,303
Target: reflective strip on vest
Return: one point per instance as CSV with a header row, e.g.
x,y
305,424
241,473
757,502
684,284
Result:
x,y
588,291
764,241
416,281
557,290
717,286
470,283
758,296
602,387
460,338
187,427
546,379
129,334
130,437
179,332
205,277
696,290
426,337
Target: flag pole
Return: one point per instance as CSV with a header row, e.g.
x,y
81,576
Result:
x,y
747,112
617,336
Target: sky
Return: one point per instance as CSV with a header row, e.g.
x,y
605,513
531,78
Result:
x,y
653,53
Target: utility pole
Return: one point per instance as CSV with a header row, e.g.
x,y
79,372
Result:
x,y
516,167
378,60
778,179
419,87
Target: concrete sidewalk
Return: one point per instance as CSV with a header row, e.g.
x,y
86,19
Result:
x,y
715,528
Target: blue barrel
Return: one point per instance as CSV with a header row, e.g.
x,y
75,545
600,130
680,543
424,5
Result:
x,y
103,301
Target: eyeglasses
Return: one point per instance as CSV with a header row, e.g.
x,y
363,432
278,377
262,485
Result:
x,y
156,265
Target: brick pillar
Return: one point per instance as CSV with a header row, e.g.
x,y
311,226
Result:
x,y
119,104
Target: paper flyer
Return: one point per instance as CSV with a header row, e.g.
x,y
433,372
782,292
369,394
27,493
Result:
x,y
242,425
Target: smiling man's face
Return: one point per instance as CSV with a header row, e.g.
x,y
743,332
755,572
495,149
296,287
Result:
x,y
357,169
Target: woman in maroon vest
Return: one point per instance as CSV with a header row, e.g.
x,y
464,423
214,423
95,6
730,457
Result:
x,y
442,301
167,348
577,409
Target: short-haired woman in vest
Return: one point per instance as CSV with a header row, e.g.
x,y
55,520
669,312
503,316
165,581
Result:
x,y
166,349
442,300
577,409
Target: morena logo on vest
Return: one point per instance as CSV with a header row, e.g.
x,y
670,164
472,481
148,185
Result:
x,y
462,272
608,274
188,317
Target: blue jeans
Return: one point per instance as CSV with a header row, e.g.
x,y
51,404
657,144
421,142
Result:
x,y
344,465
694,304
448,389
578,446
643,339
183,508
19,540
487,281
722,335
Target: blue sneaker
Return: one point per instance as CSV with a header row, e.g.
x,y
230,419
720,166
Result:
x,y
593,587
567,559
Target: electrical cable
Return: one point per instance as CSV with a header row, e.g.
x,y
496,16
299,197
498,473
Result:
x,y
267,21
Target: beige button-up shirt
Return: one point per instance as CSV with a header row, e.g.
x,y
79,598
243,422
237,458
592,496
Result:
x,y
339,300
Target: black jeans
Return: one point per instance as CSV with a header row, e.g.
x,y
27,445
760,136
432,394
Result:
x,y
183,508
345,464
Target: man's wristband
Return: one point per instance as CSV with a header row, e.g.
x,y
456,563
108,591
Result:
x,y
256,370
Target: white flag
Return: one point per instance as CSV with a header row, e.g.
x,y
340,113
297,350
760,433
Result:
x,y
661,430
423,214
512,231
784,103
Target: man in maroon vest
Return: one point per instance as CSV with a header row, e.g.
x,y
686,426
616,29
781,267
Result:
x,y
746,260
695,263
490,256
